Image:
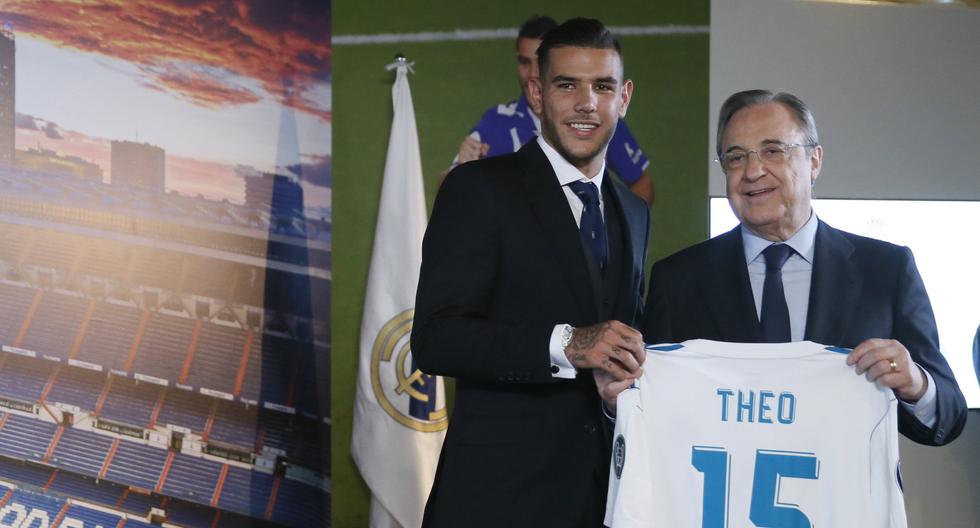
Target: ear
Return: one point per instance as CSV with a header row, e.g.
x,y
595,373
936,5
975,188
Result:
x,y
816,162
626,94
534,91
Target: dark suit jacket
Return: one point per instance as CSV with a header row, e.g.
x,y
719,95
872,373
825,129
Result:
x,y
861,288
502,264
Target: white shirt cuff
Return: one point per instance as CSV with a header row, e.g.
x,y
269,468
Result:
x,y
924,409
561,367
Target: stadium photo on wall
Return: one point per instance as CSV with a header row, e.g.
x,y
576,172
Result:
x,y
165,235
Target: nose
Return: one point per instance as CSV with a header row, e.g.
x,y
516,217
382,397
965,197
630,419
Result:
x,y
754,168
586,101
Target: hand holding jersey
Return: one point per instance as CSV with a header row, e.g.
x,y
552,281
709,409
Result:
x,y
888,363
612,349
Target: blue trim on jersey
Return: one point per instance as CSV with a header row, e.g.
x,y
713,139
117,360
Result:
x,y
839,350
507,127
664,348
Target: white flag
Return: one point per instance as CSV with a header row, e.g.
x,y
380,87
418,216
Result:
x,y
399,413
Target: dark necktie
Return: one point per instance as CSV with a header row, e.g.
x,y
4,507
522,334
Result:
x,y
774,321
591,228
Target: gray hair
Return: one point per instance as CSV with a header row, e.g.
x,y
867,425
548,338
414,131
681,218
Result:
x,y
748,98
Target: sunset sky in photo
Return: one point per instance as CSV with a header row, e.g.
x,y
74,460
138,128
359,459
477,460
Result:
x,y
205,83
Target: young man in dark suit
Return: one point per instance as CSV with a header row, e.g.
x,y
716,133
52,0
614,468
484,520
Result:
x,y
834,287
532,275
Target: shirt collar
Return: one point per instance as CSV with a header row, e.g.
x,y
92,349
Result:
x,y
565,171
802,241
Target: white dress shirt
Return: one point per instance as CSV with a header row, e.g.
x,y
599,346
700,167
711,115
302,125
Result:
x,y
797,273
567,173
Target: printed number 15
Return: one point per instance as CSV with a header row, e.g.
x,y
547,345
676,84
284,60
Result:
x,y
765,511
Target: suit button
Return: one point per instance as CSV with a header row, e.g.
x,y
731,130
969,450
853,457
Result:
x,y
590,428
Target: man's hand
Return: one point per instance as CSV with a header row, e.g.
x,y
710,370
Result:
x,y
610,346
609,388
888,363
471,149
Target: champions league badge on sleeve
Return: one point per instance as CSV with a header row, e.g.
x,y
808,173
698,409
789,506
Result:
x,y
619,455
403,391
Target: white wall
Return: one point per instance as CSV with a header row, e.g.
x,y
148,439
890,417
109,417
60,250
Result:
x,y
895,89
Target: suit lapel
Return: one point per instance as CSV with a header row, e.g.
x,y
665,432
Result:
x,y
633,228
550,207
834,287
728,291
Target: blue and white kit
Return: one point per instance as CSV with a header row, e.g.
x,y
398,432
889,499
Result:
x,y
787,435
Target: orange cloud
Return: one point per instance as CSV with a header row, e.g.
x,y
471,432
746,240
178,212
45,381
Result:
x,y
195,49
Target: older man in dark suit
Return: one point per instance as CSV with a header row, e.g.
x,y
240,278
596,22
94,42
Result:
x,y
784,275
532,273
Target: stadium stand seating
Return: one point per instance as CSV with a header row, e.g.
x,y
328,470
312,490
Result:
x,y
77,386
17,470
55,324
298,504
157,268
186,409
51,463
136,465
130,402
81,451
184,514
12,243
164,346
32,500
235,424
54,250
92,517
14,304
270,373
110,335
23,378
139,503
216,360
25,438
102,492
192,478
104,259
246,491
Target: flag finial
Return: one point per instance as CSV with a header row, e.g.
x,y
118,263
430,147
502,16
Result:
x,y
401,62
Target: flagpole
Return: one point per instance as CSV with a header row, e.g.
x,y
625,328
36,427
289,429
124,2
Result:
x,y
399,412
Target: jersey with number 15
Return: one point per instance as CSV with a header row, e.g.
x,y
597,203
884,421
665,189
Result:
x,y
731,435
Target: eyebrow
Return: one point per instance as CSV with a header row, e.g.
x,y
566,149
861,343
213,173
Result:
x,y
764,142
566,78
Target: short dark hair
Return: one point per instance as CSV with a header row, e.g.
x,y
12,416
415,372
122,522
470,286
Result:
x,y
578,33
536,26
748,98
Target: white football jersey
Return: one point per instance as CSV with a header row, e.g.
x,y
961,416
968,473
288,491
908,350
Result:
x,y
732,435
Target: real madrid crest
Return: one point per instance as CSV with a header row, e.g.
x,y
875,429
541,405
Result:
x,y
403,391
619,455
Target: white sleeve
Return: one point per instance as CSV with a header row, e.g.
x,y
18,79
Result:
x,y
630,492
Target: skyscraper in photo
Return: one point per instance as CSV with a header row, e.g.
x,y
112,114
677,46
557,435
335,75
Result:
x,y
7,88
138,164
